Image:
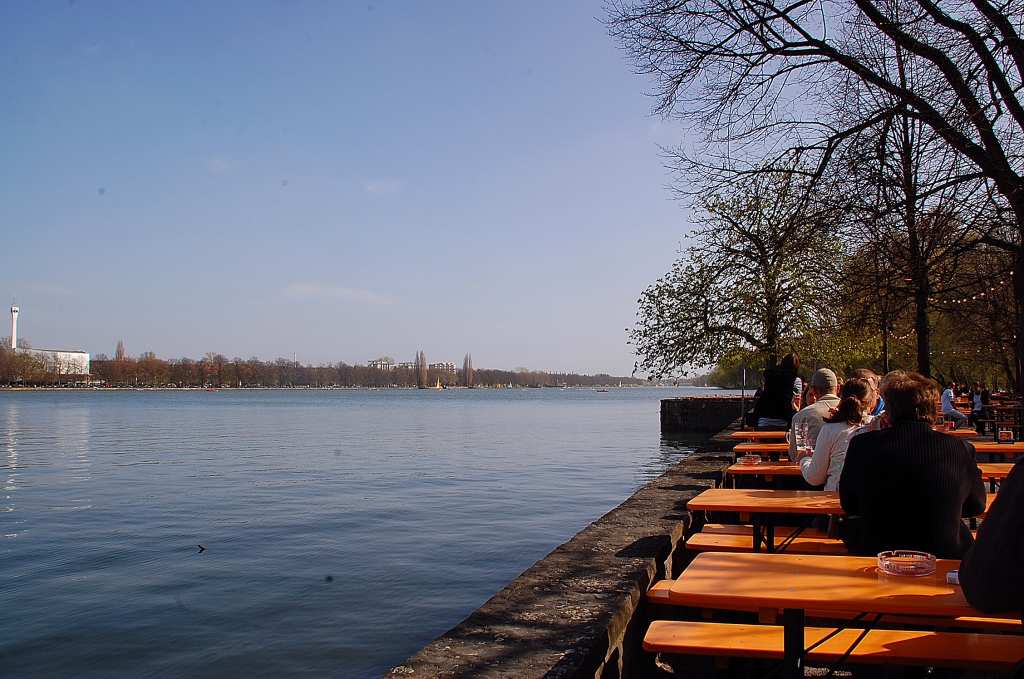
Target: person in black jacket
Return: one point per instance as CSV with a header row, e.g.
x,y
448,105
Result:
x,y
990,570
780,396
907,486
981,399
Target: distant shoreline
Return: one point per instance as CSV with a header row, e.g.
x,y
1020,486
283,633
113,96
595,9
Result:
x,y
340,388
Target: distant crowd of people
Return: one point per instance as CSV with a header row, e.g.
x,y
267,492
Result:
x,y
902,483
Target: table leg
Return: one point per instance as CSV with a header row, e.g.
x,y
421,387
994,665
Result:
x,y
793,645
769,533
757,521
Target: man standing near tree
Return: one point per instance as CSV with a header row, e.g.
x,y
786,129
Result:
x,y
823,390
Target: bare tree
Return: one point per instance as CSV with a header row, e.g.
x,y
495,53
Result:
x,y
761,78
421,369
467,370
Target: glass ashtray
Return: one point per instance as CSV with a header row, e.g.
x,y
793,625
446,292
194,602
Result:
x,y
750,459
904,562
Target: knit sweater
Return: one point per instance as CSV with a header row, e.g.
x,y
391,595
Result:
x,y
990,571
907,487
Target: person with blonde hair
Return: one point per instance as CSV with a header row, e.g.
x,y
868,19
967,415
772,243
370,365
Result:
x,y
825,464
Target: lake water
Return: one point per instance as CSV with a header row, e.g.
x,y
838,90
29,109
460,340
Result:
x,y
343,530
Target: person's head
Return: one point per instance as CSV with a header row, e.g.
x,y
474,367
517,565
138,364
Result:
x,y
909,397
823,382
951,386
856,396
872,380
976,386
790,362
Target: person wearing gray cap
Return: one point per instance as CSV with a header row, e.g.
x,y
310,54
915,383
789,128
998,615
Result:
x,y
823,390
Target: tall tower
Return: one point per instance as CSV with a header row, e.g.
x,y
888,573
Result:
x,y
14,327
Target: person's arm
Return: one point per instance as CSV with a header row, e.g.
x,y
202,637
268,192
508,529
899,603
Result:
x,y
815,467
849,481
792,438
978,496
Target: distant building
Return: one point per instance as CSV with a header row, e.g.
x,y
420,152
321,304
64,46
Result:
x,y
411,365
70,363
446,367
382,363
59,361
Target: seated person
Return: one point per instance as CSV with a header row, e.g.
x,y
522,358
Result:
x,y
980,401
822,393
877,403
949,409
907,486
989,572
826,463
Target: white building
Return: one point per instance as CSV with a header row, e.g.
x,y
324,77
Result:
x,y
70,363
446,367
382,363
58,361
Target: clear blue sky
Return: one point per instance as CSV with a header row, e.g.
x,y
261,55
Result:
x,y
337,180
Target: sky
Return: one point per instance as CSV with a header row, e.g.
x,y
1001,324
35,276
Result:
x,y
333,181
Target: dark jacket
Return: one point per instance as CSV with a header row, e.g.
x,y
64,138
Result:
x,y
776,399
990,571
907,487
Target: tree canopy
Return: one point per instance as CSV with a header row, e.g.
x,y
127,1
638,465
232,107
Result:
x,y
923,95
758,277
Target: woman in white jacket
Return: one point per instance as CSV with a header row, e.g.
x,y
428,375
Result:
x,y
826,463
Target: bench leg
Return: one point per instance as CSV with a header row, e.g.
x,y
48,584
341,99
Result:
x,y
793,648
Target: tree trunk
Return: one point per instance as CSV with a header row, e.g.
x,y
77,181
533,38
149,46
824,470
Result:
x,y
923,328
1018,303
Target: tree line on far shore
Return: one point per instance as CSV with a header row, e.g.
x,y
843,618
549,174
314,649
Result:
x,y
217,371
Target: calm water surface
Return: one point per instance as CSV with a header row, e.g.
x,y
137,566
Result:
x,y
343,529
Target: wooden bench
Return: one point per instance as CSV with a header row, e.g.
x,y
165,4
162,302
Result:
x,y
658,594
725,542
746,529
878,647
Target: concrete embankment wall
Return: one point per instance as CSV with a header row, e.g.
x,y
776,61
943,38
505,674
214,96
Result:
x,y
702,413
580,611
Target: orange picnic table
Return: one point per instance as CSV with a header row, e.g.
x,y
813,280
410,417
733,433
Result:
x,y
795,584
772,449
993,471
762,506
759,435
1002,449
766,469
959,433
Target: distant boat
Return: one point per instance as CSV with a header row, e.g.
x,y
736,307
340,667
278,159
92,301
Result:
x,y
604,390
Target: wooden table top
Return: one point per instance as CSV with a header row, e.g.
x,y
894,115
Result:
x,y
748,500
737,581
760,447
766,468
995,470
989,470
758,435
765,501
1010,449
959,433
